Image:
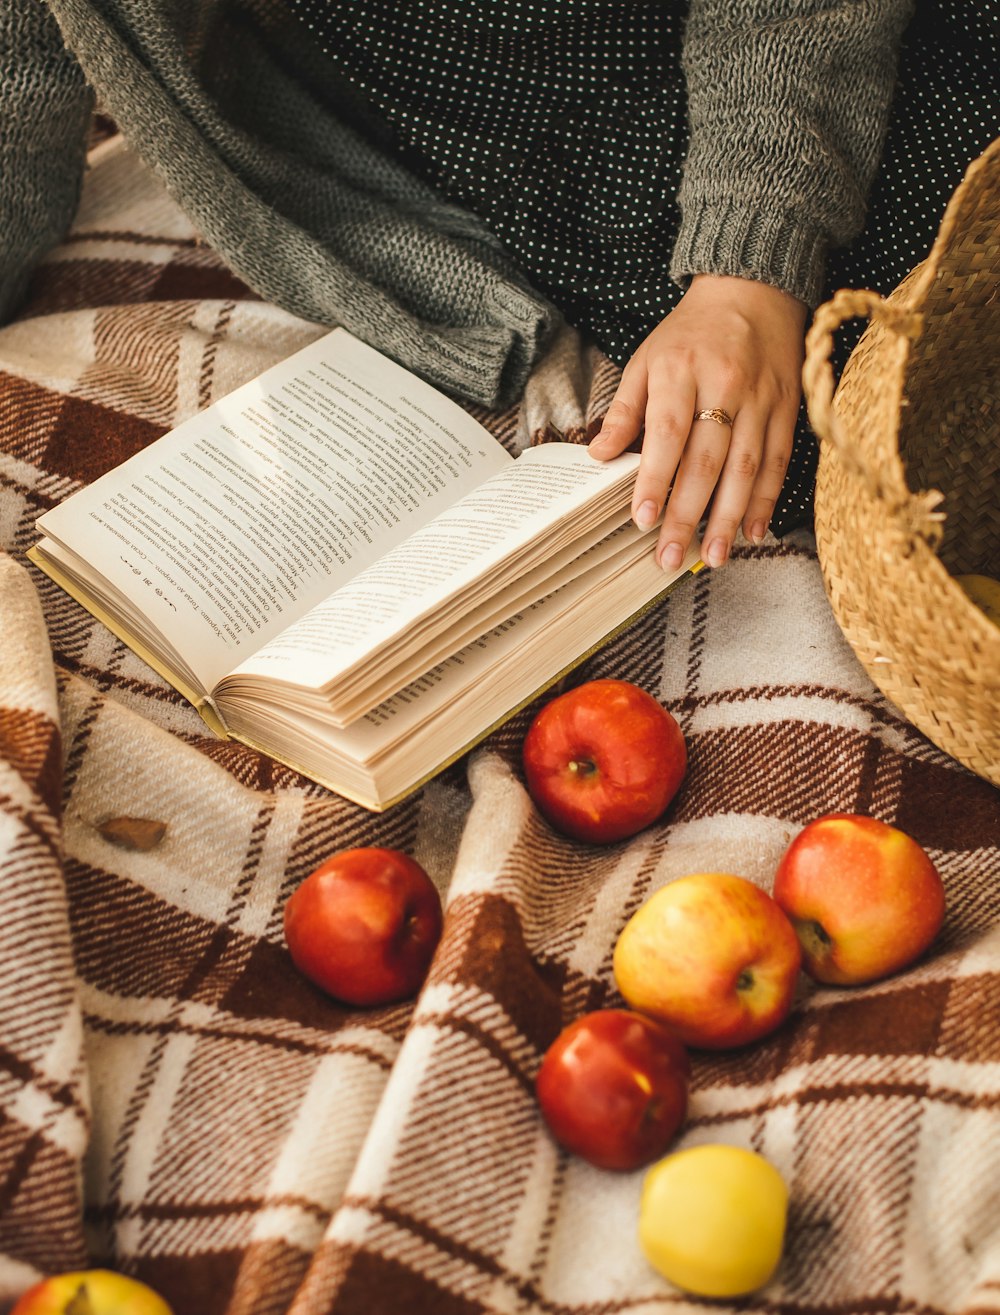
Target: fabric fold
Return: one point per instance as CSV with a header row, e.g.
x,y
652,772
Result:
x,y
333,231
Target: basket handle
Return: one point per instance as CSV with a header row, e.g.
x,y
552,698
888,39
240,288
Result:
x,y
916,511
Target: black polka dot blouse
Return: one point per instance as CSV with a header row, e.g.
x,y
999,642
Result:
x,y
562,125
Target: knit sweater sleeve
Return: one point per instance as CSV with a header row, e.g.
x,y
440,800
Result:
x,y
44,115
788,106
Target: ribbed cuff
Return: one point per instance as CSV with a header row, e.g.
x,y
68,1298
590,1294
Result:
x,y
772,247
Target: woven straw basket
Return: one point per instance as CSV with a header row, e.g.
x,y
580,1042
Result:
x,y
908,488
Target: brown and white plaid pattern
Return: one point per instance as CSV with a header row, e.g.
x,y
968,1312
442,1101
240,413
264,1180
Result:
x,y
178,1103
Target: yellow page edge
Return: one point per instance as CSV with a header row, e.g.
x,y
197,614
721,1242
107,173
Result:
x,y
484,734
206,709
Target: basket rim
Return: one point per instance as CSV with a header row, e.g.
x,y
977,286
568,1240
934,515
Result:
x,y
931,650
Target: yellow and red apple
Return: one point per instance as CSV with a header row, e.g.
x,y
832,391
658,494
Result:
x,y
864,898
713,957
90,1292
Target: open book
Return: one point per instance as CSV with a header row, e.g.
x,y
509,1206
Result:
x,y
339,566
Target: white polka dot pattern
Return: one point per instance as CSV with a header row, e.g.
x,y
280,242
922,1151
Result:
x,y
562,124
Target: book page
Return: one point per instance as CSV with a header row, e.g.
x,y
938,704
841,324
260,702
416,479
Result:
x,y
241,519
374,680
520,517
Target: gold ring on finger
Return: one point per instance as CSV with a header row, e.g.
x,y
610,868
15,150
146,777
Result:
x,y
717,414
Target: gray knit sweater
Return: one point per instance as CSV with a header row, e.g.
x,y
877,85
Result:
x,y
788,103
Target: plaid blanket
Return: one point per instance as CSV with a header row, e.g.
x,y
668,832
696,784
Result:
x,y
176,1102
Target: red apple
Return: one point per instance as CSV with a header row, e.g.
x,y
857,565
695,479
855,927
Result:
x,y
364,926
613,1088
603,760
711,956
90,1292
863,897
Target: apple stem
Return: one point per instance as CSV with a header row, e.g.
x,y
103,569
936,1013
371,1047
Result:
x,y
745,980
583,766
652,1111
820,932
79,1303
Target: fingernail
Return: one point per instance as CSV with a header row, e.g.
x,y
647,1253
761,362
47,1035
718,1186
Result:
x,y
757,531
645,515
716,553
671,557
599,438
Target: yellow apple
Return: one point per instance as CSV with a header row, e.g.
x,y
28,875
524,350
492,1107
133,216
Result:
x,y
712,1220
713,957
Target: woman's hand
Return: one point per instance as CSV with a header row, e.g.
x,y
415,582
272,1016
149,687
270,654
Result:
x,y
734,345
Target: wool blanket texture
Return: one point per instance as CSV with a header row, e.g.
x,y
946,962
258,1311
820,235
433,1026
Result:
x,y
178,1103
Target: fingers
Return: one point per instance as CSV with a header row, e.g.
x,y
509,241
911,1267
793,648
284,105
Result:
x,y
738,469
668,427
729,343
735,489
623,422
747,481
663,416
704,457
771,476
